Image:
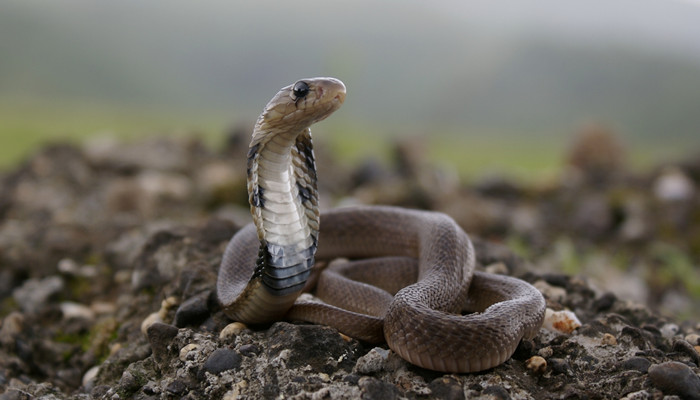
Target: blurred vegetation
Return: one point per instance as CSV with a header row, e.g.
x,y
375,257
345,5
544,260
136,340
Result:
x,y
488,92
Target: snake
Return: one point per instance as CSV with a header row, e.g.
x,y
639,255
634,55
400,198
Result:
x,y
402,276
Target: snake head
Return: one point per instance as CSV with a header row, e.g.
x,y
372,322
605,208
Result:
x,y
299,105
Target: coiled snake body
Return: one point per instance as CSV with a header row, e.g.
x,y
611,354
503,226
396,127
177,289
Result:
x,y
412,273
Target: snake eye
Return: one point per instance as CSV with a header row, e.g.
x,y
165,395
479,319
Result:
x,y
300,90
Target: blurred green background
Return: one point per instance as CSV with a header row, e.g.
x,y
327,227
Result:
x,y
494,85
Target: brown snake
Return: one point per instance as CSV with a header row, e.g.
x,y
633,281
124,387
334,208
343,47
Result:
x,y
411,275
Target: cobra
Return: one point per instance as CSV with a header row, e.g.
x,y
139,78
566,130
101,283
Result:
x,y
403,276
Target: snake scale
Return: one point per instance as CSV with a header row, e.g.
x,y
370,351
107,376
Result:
x,y
402,276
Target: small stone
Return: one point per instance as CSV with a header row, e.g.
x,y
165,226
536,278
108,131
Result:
x,y
560,321
73,310
185,351
12,326
222,360
608,340
34,293
668,331
446,388
683,347
497,268
640,364
231,330
192,311
372,362
89,377
604,302
550,292
559,365
374,389
249,350
693,339
128,382
675,378
545,352
103,308
639,395
536,364
159,336
673,185
151,319
497,392
168,303
176,388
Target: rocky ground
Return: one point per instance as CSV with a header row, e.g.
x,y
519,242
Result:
x,y
109,254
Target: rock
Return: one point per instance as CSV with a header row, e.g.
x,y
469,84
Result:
x,y
640,364
560,321
446,388
250,350
11,328
496,392
374,389
73,310
675,378
329,353
160,336
192,311
34,293
176,388
222,360
536,364
374,361
231,330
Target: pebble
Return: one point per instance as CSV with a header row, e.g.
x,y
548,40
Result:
x,y
72,310
545,352
559,365
249,350
675,378
608,340
89,377
192,311
185,351
693,339
497,268
668,331
673,185
374,389
151,319
683,347
497,392
446,388
550,292
221,360
34,293
560,321
159,336
640,364
231,330
536,364
176,388
372,362
12,326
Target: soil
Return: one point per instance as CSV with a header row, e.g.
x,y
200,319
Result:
x,y
109,255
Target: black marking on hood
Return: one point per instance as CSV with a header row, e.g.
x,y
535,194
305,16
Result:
x,y
252,156
305,148
258,197
305,194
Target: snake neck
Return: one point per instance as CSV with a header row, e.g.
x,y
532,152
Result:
x,y
283,198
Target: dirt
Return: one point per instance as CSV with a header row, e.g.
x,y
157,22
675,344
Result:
x,y
109,255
